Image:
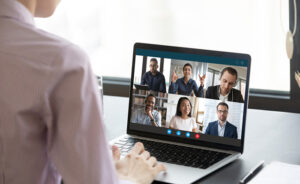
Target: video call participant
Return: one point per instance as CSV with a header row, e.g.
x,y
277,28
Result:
x,y
153,78
147,115
225,91
186,85
222,127
183,119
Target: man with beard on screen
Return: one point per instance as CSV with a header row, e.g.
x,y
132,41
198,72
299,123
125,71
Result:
x,y
147,115
222,127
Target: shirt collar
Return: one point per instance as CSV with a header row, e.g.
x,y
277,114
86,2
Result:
x,y
190,80
223,95
15,10
223,125
151,73
156,74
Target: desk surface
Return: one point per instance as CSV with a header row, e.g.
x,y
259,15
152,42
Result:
x,y
269,136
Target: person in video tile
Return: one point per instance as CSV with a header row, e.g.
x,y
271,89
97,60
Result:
x,y
225,91
153,78
147,115
183,119
222,127
186,85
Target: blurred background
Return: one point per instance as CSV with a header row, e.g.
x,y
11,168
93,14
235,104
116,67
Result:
x,y
108,29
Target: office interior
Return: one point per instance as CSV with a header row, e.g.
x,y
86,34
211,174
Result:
x,y
156,22
231,37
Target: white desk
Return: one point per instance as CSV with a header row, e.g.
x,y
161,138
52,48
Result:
x,y
269,136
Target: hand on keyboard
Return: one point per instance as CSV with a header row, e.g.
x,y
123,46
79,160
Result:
x,y
137,166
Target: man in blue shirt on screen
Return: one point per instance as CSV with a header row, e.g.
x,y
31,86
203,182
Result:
x,y
153,78
186,85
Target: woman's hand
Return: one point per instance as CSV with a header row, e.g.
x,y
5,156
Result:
x,y
138,165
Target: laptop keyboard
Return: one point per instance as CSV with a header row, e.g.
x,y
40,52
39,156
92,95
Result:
x,y
174,154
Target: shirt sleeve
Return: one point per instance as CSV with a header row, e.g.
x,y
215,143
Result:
x,y
163,85
208,92
207,131
173,87
198,91
235,135
76,139
134,118
240,96
143,81
158,118
172,123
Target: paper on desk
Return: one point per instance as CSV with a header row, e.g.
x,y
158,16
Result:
x,y
278,172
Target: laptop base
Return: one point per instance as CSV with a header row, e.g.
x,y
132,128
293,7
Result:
x,y
174,172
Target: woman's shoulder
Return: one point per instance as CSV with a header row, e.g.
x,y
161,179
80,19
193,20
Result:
x,y
175,118
179,119
57,49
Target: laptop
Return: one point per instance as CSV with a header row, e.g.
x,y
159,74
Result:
x,y
194,142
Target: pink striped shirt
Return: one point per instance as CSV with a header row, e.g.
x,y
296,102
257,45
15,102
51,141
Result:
x,y
50,112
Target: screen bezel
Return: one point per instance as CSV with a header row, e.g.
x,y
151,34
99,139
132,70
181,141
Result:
x,y
198,52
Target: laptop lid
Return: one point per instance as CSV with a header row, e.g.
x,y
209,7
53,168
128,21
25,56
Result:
x,y
188,95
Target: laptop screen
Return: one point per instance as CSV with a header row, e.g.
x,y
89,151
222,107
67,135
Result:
x,y
189,95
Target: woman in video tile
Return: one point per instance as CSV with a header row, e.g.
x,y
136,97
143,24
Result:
x,y
183,119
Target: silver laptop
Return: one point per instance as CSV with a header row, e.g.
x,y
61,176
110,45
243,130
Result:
x,y
188,106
